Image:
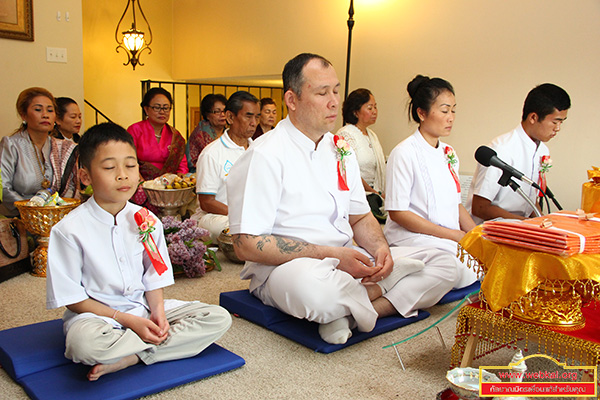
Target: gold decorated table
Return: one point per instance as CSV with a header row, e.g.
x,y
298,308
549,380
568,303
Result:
x,y
512,274
531,296
480,332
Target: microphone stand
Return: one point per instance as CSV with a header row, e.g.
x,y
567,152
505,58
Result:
x,y
551,195
505,180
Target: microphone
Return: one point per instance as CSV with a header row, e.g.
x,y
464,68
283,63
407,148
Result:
x,y
487,156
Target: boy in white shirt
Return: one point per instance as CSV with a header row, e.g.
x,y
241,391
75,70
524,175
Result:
x,y
524,148
100,270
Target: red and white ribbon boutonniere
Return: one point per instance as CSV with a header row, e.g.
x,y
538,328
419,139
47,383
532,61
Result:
x,y
545,165
343,149
452,160
146,223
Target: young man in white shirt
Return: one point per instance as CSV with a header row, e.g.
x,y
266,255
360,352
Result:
x,y
524,148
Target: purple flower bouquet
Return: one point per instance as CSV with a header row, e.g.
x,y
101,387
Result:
x,y
187,245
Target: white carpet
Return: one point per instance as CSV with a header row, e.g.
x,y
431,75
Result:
x,y
276,368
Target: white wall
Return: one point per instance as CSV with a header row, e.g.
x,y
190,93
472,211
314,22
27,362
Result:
x,y
23,64
493,53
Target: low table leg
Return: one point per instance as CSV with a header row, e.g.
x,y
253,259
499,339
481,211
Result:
x,y
470,350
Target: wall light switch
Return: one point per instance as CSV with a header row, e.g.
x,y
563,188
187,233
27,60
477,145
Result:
x,y
56,54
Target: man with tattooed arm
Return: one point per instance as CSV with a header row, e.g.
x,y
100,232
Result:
x,y
299,216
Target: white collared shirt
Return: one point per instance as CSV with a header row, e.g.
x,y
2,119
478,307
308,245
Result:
x,y
419,180
518,150
284,186
91,255
214,164
365,153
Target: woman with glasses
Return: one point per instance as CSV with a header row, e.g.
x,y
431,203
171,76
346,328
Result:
x,y
160,147
211,127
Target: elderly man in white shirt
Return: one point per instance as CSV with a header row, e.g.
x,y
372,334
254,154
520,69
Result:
x,y
218,157
296,203
524,148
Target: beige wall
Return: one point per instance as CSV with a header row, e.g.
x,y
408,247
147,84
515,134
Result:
x,y
23,64
253,39
492,52
113,88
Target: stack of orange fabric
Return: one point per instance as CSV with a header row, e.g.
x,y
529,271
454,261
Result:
x,y
563,233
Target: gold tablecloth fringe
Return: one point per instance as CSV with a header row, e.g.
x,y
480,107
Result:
x,y
470,261
495,331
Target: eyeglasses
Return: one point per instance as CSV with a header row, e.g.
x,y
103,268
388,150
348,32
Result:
x,y
158,108
217,112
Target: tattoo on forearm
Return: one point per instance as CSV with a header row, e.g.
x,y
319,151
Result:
x,y
287,246
262,241
237,240
284,245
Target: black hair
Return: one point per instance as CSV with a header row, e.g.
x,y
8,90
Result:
x,y
236,101
208,103
266,101
292,75
423,91
353,103
544,99
98,135
155,91
61,106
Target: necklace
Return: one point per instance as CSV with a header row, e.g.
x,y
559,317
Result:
x,y
45,181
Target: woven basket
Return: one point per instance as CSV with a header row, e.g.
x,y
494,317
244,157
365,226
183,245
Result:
x,y
40,220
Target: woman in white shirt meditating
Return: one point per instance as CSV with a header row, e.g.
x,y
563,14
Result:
x,y
360,112
426,217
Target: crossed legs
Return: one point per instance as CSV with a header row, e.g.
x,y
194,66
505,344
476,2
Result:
x,y
94,341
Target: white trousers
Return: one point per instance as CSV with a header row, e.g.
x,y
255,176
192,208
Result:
x,y
194,326
442,273
213,223
316,290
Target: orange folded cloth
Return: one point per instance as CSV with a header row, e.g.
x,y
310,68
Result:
x,y
564,233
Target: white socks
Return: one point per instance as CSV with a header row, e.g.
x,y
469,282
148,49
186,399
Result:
x,y
338,331
402,267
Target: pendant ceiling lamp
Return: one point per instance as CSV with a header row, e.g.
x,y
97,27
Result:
x,y
134,41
